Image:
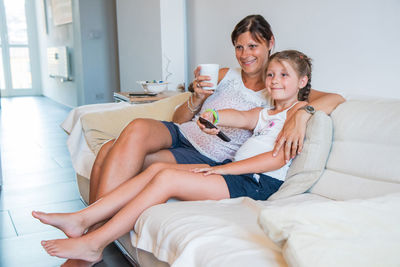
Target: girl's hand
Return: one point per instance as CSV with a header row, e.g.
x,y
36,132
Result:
x,y
200,82
210,117
292,135
210,170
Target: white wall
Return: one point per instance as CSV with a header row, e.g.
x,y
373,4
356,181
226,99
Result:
x,y
98,44
139,42
151,40
354,44
65,93
173,42
91,41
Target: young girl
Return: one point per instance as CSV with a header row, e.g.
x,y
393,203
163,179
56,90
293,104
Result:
x,y
256,174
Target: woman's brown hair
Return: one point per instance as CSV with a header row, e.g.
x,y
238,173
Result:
x,y
258,27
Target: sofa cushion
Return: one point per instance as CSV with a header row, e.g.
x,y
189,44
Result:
x,y
308,166
206,233
100,127
336,233
364,160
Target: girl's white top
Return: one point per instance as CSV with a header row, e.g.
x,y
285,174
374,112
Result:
x,y
263,140
230,93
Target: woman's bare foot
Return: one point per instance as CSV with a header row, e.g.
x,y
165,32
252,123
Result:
x,y
66,222
73,248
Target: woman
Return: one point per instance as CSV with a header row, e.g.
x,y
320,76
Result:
x,y
146,141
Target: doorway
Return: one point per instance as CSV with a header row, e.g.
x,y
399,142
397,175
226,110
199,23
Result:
x,y
19,61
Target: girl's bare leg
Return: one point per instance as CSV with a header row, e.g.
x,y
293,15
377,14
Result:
x,y
125,159
160,156
74,224
94,194
166,184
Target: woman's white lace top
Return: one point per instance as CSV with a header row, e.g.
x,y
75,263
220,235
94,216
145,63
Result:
x,y
263,140
230,93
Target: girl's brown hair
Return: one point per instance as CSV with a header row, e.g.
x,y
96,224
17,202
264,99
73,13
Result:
x,y
301,64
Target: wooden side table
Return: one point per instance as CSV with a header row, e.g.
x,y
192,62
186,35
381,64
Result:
x,y
124,97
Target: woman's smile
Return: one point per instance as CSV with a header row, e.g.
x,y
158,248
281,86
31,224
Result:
x,y
248,62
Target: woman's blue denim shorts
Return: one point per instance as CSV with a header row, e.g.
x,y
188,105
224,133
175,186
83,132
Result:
x,y
183,151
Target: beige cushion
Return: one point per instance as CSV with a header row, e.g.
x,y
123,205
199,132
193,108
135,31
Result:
x,y
99,127
307,167
336,233
364,161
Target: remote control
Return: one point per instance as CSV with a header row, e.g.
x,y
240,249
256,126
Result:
x,y
209,125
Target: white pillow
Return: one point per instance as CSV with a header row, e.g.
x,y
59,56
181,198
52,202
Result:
x,y
337,233
307,167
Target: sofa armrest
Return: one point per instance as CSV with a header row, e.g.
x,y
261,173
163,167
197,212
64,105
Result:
x,y
99,127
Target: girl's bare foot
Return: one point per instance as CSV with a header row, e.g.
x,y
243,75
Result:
x,y
66,222
73,248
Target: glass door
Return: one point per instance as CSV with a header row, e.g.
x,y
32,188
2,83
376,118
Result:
x,y
19,68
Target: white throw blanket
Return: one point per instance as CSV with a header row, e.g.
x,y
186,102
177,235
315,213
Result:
x,y
211,233
206,233
337,233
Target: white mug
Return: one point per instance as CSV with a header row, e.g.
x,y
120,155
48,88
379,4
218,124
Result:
x,y
212,71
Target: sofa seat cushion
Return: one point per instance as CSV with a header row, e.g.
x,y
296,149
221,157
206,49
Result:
x,y
364,160
337,233
210,233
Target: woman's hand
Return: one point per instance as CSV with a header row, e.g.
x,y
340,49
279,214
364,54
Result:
x,y
200,82
188,110
210,170
291,137
210,117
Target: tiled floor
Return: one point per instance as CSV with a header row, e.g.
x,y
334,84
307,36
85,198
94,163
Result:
x,y
36,175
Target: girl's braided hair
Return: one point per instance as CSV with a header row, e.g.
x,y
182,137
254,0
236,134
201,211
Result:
x,y
301,64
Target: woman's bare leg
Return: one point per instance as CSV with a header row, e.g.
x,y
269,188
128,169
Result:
x,y
96,170
126,157
160,156
164,156
166,184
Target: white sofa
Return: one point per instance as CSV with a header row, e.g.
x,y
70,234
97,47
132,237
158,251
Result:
x,y
349,215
